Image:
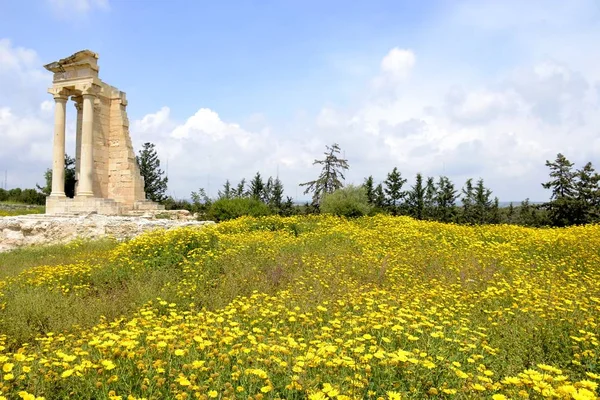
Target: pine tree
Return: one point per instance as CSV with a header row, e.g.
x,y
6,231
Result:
x,y
155,185
369,186
416,198
483,204
227,192
468,202
430,195
510,213
257,187
287,208
268,191
563,208
562,175
587,186
240,190
379,197
276,198
200,201
495,217
445,200
393,190
331,176
526,213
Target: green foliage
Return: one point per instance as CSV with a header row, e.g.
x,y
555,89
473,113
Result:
x,y
331,176
478,207
257,188
393,190
429,199
240,191
155,185
69,179
276,196
575,198
483,204
468,200
562,178
529,215
379,197
350,201
416,198
587,185
369,186
22,196
445,200
226,209
227,191
171,203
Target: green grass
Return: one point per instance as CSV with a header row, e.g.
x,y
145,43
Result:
x,y
14,262
11,209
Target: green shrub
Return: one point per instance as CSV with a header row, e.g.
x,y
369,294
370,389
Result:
x,y
225,209
350,201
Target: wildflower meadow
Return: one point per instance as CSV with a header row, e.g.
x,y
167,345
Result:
x,y
310,307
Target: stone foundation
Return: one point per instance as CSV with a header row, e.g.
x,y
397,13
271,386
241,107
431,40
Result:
x,y
86,205
29,230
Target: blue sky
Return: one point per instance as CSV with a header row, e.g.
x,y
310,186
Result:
x,y
240,57
465,88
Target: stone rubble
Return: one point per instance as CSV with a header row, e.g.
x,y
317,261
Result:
x,y
39,229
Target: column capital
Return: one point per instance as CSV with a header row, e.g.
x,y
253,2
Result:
x,y
62,98
89,90
78,102
59,94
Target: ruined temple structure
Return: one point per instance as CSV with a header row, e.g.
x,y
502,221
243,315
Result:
x,y
108,177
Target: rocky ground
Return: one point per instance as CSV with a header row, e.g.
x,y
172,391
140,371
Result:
x,y
27,230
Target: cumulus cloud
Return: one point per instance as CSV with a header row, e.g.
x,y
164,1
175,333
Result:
x,y
417,116
398,63
204,149
25,115
395,68
482,106
22,80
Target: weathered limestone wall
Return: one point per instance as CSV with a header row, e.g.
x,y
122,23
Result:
x,y
116,173
126,184
28,230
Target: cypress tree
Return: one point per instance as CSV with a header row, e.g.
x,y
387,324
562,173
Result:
x,y
416,198
393,190
155,185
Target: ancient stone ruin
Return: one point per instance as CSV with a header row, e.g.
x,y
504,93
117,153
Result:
x,y
108,179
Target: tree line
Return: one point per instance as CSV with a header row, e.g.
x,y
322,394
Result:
x,y
575,197
574,200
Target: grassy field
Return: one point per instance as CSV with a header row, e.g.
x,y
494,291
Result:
x,y
9,209
306,308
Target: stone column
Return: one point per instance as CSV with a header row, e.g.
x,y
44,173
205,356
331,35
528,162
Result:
x,y
58,164
87,147
79,107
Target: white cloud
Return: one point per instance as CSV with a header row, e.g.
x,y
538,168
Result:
x,y
22,79
398,63
25,116
395,68
204,149
430,117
